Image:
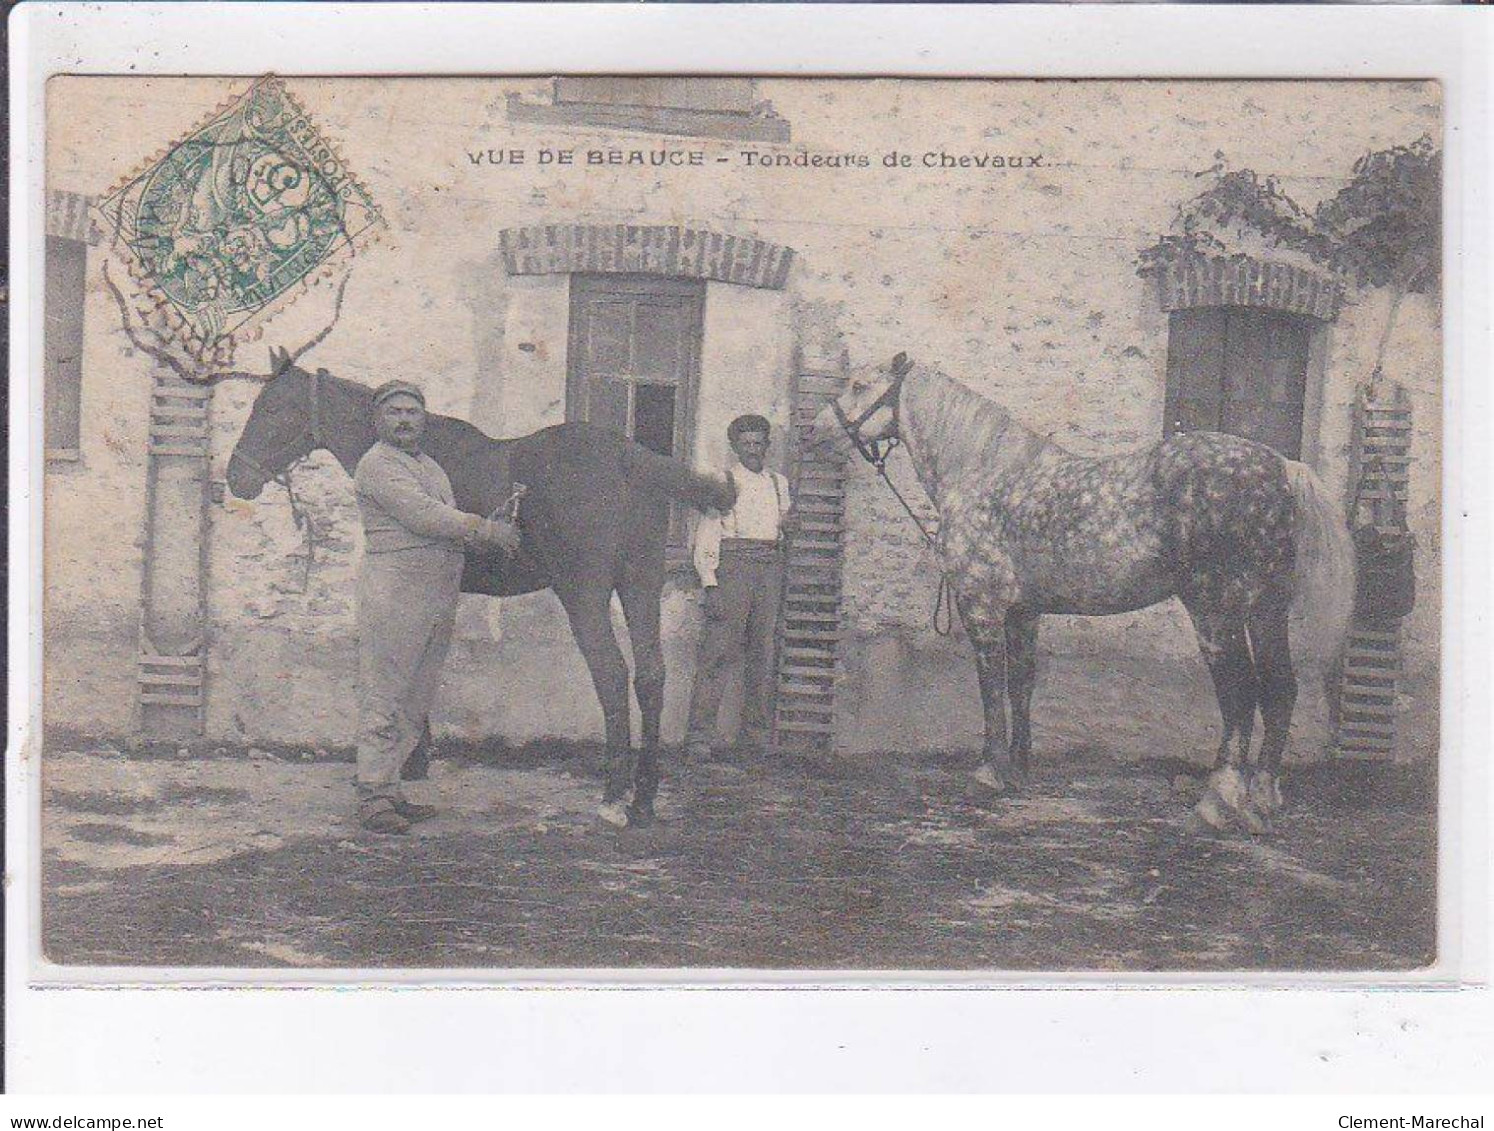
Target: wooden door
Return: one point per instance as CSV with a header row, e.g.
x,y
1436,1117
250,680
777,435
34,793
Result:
x,y
1238,370
634,360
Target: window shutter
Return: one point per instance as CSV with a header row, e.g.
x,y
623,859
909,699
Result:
x,y
1238,370
634,361
63,391
1195,370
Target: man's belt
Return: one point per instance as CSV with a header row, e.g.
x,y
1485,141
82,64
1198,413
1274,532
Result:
x,y
749,545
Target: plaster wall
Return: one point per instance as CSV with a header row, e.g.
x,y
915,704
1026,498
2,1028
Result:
x,y
1021,283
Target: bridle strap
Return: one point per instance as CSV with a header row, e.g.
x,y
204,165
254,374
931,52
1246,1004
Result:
x,y
877,453
310,437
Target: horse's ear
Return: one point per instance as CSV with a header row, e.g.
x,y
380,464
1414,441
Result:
x,y
901,366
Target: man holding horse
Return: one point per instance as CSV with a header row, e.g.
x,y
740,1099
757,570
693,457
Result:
x,y
415,539
738,556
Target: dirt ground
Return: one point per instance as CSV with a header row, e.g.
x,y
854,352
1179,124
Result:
x,y
248,858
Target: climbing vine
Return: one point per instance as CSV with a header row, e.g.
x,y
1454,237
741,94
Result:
x,y
1382,229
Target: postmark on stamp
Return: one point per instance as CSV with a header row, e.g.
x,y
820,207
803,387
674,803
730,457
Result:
x,y
232,218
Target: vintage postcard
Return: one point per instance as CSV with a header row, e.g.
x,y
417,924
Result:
x,y
721,523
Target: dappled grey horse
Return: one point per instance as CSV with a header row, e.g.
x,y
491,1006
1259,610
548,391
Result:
x,y
1234,530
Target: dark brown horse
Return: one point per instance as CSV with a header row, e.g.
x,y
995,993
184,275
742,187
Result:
x,y
594,520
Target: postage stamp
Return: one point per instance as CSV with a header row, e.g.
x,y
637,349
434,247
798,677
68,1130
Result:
x,y
234,216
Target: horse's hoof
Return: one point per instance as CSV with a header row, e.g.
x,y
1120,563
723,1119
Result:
x,y
640,814
1211,812
987,777
1256,823
614,813
1265,792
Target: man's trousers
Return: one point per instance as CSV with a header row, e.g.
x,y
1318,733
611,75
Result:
x,y
407,602
741,618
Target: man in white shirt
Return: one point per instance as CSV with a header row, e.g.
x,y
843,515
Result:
x,y
739,558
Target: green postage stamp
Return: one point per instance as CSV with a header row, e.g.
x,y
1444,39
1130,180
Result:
x,y
237,214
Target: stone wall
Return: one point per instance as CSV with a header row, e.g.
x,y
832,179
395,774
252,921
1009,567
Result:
x,y
1020,281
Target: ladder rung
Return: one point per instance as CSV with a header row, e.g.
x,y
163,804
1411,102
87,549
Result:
x,y
819,487
823,646
1369,714
820,681
177,450
1373,752
796,726
1358,633
807,712
1361,730
181,392
171,661
1378,697
164,700
148,679
1364,677
807,658
815,380
1372,659
820,697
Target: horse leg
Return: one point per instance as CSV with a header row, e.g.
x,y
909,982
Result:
x,y
417,766
640,603
987,634
1270,645
1021,675
590,613
1226,651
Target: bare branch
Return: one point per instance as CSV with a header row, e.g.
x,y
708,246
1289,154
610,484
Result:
x,y
316,341
140,344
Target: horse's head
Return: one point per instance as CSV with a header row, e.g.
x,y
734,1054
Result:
x,y
283,427
865,416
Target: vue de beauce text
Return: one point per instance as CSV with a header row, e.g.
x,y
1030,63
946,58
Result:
x,y
662,158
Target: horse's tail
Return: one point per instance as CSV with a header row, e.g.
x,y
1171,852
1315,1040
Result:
x,y
1323,591
678,480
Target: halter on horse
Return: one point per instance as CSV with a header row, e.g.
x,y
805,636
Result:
x,y
292,453
1234,530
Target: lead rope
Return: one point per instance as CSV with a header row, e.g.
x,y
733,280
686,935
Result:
x,y
944,598
300,515
302,518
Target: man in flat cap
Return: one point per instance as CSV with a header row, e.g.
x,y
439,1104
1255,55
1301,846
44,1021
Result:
x,y
739,558
414,544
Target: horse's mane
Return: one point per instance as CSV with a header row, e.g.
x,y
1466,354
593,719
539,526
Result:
x,y
954,416
954,428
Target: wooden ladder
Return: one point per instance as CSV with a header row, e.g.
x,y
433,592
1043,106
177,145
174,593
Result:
x,y
172,662
1365,711
809,627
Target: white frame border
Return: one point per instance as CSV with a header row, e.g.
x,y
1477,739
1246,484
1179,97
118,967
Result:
x,y
1451,45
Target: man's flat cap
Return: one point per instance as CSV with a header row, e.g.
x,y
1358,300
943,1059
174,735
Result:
x,y
749,423
396,389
